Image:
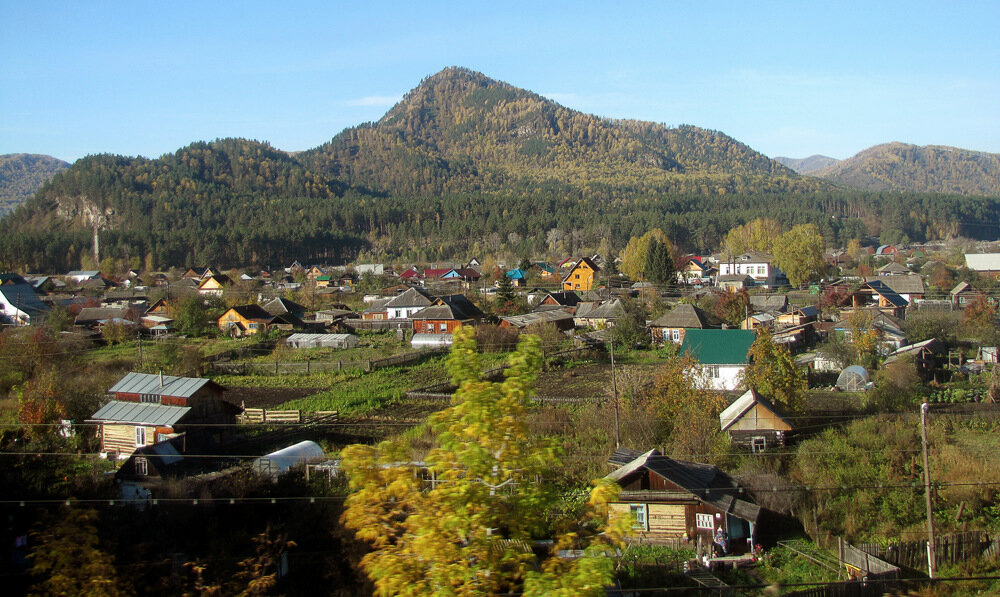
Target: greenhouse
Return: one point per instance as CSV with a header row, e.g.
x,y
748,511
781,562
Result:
x,y
853,379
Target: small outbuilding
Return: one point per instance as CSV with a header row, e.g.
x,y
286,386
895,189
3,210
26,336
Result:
x,y
853,379
277,463
754,422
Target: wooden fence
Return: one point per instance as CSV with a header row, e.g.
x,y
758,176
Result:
x,y
264,415
948,550
307,367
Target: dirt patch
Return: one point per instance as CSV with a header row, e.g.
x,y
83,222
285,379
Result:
x,y
266,397
585,381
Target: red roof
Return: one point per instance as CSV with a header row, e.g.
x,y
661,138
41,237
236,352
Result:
x,y
410,273
436,273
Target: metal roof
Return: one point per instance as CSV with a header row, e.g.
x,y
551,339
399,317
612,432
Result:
x,y
160,385
140,412
718,347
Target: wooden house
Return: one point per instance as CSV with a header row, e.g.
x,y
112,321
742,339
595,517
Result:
x,y
214,284
876,293
799,316
671,326
149,408
753,422
672,499
735,282
244,320
402,306
445,314
560,299
582,276
599,316
159,307
987,264
693,271
964,294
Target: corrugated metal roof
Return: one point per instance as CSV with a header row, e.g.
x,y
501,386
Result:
x,y
147,383
140,412
718,347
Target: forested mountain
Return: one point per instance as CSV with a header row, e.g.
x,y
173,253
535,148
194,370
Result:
x,y
463,166
921,169
460,131
807,165
21,174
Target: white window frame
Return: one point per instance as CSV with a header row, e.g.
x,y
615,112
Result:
x,y
141,466
442,327
675,335
704,521
758,443
712,371
140,436
640,514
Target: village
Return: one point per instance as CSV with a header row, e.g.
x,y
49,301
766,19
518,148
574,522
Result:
x,y
199,377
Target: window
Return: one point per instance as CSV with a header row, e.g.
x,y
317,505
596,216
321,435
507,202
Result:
x,y
704,521
639,512
253,326
442,327
141,467
576,277
140,436
712,371
676,334
758,444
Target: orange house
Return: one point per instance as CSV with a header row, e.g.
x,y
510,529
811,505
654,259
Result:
x,y
583,276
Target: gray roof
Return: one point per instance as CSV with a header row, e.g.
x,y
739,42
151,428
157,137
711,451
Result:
x,y
140,412
903,284
894,268
983,262
612,309
766,302
520,321
685,316
413,297
147,383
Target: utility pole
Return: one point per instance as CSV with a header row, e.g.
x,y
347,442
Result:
x,y
927,491
614,388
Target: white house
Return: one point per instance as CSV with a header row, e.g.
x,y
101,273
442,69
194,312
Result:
x,y
759,266
20,305
721,355
407,303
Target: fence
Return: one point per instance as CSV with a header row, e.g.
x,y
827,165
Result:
x,y
307,367
377,324
263,415
948,550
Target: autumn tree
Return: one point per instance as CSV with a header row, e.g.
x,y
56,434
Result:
x,y
635,254
458,532
757,235
688,412
68,561
799,253
660,266
772,373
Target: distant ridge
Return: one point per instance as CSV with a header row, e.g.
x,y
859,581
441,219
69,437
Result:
x,y
931,168
807,165
21,174
461,131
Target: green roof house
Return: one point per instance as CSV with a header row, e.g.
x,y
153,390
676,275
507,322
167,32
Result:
x,y
721,355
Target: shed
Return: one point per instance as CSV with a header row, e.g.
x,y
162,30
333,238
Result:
x,y
853,379
279,462
322,340
754,422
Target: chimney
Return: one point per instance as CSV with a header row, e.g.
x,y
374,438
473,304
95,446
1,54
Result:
x,y
161,378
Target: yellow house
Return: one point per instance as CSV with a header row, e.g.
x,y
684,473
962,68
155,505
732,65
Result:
x,y
583,276
214,284
245,320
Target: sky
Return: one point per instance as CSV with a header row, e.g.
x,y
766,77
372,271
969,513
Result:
x,y
787,78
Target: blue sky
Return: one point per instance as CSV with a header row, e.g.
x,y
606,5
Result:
x,y
792,79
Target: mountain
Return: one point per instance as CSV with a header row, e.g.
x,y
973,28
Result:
x,y
21,174
460,131
807,165
930,168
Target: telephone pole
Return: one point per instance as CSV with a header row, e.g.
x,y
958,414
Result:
x,y
927,491
614,388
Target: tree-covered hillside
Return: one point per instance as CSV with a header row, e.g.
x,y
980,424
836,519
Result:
x,y
21,174
927,169
460,131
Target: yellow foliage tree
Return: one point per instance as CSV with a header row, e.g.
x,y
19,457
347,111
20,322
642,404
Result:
x,y
467,529
634,254
756,235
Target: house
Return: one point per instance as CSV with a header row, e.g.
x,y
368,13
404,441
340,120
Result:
x,y
893,268
435,273
517,277
315,272
908,286
926,356
80,276
983,263
599,316
406,304
889,329
694,271
886,251
582,276
148,408
753,422
878,294
671,326
244,320
376,311
735,282
672,499
373,269
280,306
771,303
560,299
758,321
323,281
965,294
411,275
799,316
214,284
759,266
721,355
445,314
20,305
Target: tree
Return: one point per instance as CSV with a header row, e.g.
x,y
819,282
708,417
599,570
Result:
x,y
659,263
68,560
688,411
773,374
190,318
799,253
757,235
460,536
635,254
